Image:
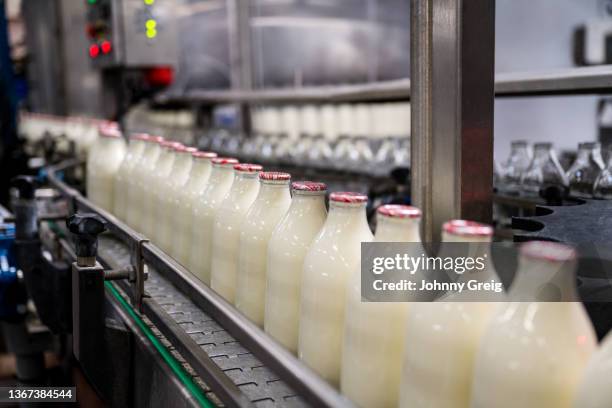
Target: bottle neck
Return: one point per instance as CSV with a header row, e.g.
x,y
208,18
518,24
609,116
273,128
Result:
x,y
477,248
221,174
390,229
309,201
519,153
201,168
135,147
272,191
542,154
243,181
348,214
609,159
152,151
164,164
182,164
583,155
539,280
114,142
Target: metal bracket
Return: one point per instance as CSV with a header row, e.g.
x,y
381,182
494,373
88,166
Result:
x,y
138,276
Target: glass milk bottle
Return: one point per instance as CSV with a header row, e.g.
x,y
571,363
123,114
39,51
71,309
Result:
x,y
517,163
106,165
105,131
136,180
374,332
333,255
544,172
226,229
286,251
594,390
585,169
271,204
152,181
169,196
603,183
198,177
205,209
442,337
537,346
134,151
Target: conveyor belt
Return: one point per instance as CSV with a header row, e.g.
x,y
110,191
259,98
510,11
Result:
x,y
260,384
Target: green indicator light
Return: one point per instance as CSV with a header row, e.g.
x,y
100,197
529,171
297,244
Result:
x,y
151,33
92,1
149,2
151,24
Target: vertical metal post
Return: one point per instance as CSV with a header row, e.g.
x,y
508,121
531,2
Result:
x,y
452,93
421,64
241,74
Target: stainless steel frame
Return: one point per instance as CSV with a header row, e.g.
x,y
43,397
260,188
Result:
x,y
572,81
453,45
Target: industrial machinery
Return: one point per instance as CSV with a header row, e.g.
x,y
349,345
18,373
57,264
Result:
x,y
142,329
135,33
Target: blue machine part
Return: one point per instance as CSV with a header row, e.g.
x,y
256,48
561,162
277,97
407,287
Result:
x,y
12,299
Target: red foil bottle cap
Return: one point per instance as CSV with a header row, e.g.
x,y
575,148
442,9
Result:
x,y
109,129
185,149
204,155
548,251
274,176
248,168
141,136
348,197
170,144
156,139
224,160
308,186
467,228
399,211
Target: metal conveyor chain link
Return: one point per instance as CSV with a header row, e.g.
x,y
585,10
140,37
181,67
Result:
x,y
261,385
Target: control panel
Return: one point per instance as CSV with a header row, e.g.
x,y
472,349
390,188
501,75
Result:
x,y
131,33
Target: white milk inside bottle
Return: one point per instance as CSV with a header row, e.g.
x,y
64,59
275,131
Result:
x,y
537,346
374,332
137,179
594,390
106,164
442,337
204,211
104,131
169,196
333,255
198,177
151,193
271,204
134,151
286,251
226,229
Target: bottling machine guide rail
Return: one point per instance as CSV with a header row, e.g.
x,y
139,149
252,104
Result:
x,y
242,365
567,81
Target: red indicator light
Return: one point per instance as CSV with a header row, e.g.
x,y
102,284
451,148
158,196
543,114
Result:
x,y
94,50
160,76
106,47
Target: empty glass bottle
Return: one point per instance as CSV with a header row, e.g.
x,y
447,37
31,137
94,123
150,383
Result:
x,y
544,171
515,166
603,183
585,169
